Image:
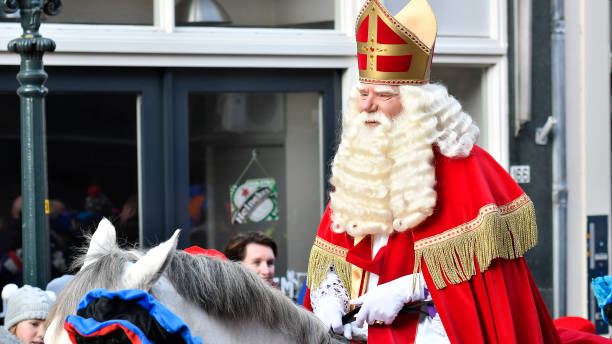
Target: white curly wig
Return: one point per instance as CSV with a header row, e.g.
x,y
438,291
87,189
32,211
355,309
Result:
x,y
383,177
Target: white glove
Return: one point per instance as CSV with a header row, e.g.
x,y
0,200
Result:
x,y
330,312
384,302
352,332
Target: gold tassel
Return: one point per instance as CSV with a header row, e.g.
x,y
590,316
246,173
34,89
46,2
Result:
x,y
504,234
319,263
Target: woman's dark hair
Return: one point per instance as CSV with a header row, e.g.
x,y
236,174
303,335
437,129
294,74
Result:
x,y
608,312
236,246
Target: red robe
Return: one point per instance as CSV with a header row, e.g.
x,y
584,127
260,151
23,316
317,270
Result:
x,y
469,251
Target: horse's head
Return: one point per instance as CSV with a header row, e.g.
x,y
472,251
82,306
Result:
x,y
105,265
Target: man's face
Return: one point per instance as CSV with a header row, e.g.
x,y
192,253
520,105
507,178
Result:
x,y
260,259
374,98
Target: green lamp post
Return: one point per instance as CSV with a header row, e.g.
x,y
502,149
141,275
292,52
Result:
x,y
35,209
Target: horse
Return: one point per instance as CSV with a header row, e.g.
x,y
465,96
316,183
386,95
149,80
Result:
x,y
220,301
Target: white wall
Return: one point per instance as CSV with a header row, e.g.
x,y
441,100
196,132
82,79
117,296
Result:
x,y
588,134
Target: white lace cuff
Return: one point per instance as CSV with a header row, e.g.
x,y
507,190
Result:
x,y
330,289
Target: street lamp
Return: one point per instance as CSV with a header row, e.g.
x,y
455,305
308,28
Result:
x,y
35,209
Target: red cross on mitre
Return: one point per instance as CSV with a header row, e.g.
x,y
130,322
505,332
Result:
x,y
387,51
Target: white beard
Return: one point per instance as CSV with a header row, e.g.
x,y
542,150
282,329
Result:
x,y
383,176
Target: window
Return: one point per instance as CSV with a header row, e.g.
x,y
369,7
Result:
x,y
134,12
314,14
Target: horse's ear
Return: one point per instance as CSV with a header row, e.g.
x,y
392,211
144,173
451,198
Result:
x,y
102,241
147,270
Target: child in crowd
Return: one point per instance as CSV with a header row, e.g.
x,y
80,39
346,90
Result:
x,y
25,313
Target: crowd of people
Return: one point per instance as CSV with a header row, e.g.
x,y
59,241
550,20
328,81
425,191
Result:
x,y
67,229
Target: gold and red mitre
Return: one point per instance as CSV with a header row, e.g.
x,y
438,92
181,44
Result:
x,y
395,50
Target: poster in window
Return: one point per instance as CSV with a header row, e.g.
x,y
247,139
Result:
x,y
255,200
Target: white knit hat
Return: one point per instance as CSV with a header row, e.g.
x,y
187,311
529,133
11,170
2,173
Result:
x,y
25,303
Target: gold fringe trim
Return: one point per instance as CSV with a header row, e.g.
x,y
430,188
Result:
x,y
322,258
498,232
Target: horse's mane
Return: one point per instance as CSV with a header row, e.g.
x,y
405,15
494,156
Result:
x,y
222,289
229,290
